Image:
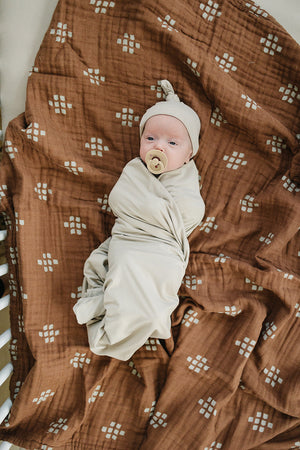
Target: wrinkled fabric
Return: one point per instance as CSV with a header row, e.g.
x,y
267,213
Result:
x,y
228,377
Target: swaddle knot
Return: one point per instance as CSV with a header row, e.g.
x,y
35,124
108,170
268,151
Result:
x,y
156,161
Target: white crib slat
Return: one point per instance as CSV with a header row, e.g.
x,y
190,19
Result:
x,y
5,337
5,373
4,302
4,409
3,269
5,445
3,234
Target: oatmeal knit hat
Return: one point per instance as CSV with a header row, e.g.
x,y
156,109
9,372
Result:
x,y
172,106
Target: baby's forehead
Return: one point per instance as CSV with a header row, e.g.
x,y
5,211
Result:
x,y
165,123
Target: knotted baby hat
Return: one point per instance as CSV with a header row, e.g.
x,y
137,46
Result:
x,y
172,106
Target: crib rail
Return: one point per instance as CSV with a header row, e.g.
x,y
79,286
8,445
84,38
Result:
x,y
6,367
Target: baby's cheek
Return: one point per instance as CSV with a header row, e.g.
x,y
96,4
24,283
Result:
x,y
142,153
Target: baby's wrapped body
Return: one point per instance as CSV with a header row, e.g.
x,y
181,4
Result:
x,y
131,281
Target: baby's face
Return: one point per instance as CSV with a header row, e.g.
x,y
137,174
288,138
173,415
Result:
x,y
169,135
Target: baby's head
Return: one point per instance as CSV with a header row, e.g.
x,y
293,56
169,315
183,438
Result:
x,y
169,133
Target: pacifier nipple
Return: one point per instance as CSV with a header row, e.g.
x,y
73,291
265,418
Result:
x,y
156,161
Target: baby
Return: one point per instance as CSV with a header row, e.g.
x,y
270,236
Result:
x,y
131,281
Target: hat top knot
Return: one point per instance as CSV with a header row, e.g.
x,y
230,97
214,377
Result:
x,y
169,91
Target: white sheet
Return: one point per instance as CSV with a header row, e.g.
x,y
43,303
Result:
x,y
24,23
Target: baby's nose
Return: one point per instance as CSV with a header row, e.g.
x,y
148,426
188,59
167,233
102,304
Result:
x,y
160,146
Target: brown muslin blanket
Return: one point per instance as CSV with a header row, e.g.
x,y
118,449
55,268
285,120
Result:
x,y
228,378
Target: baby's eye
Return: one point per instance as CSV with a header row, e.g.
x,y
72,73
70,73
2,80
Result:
x,y
172,143
150,138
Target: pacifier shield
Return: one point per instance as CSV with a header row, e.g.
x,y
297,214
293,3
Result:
x,y
156,161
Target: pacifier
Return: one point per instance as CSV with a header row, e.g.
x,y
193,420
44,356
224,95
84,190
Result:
x,y
156,161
